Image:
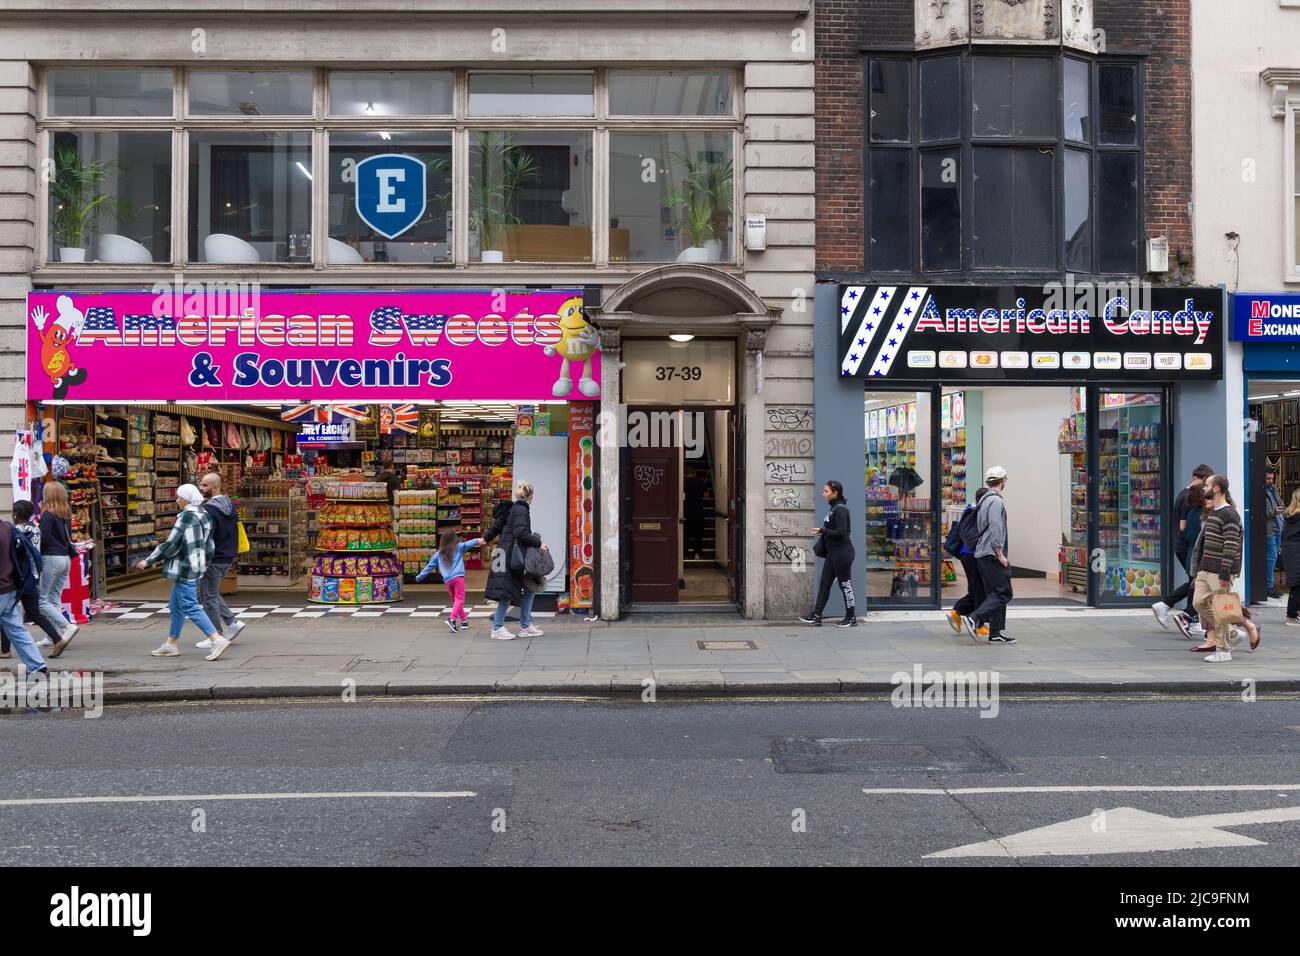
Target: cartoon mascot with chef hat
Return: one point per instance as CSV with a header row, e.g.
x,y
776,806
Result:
x,y
56,344
579,341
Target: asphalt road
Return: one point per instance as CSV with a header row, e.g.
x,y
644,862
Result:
x,y
505,782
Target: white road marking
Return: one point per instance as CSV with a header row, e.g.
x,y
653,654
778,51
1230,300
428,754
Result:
x,y
191,797
1209,788
1124,830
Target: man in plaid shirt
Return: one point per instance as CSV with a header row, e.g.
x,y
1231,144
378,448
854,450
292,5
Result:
x,y
187,551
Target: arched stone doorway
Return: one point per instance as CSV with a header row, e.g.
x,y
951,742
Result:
x,y
712,305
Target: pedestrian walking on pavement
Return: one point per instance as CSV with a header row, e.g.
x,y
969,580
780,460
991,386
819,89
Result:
x,y
57,635
1218,561
57,552
1291,558
1273,518
967,541
187,551
1187,527
225,547
449,560
14,579
834,544
989,619
505,583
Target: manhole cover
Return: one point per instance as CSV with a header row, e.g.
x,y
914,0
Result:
x,y
380,667
884,755
726,645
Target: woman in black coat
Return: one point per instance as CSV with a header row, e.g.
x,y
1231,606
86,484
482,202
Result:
x,y
504,585
1291,557
838,564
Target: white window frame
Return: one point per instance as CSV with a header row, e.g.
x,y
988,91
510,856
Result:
x,y
1285,84
320,123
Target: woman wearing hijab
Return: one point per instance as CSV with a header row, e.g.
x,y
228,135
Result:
x,y
187,552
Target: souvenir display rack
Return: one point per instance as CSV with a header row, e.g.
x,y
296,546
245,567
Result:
x,y
77,445
1072,440
274,514
447,502
111,472
356,560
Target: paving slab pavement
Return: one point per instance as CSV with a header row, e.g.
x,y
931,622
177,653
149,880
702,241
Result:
x,y
397,654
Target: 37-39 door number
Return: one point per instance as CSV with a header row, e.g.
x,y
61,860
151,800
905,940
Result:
x,y
684,373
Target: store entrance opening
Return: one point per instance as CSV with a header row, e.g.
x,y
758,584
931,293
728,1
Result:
x,y
678,481
1086,512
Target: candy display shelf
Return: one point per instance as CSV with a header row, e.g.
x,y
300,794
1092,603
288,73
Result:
x,y
276,525
356,560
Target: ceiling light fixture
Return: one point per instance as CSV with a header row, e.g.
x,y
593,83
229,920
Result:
x,y
681,336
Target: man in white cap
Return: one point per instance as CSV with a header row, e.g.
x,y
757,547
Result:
x,y
187,551
989,620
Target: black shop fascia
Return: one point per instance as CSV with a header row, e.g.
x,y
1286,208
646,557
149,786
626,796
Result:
x,y
1029,335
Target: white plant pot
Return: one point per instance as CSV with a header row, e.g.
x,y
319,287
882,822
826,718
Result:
x,y
714,248
72,254
694,254
492,255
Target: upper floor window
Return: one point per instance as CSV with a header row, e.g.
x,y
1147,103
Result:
x,y
986,162
318,167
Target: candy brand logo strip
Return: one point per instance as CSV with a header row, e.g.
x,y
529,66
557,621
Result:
x,y
1076,359
952,359
1015,360
1106,360
920,360
1047,359
1168,360
1198,361
77,909
984,359
1137,359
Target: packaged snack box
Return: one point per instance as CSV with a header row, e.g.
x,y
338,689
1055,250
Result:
x,y
313,589
347,590
329,590
364,590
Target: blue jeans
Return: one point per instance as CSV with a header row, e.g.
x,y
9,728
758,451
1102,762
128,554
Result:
x,y
11,620
214,604
183,604
1270,558
525,611
54,578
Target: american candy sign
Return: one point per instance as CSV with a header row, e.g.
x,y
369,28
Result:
x,y
291,347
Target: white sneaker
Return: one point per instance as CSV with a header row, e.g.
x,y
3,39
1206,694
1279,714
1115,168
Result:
x,y
531,631
1235,637
204,644
219,646
45,642
166,650
68,631
501,634
235,627
1196,630
1219,657
1161,610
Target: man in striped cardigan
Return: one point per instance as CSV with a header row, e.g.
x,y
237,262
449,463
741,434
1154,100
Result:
x,y
1218,560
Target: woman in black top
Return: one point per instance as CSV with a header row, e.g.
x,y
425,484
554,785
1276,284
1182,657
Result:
x,y
838,565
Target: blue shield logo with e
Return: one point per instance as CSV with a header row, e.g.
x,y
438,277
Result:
x,y
390,193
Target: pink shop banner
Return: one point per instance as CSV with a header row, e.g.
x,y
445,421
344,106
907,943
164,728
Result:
x,y
290,347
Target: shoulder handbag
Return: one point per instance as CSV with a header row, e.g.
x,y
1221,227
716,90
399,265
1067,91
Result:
x,y
516,563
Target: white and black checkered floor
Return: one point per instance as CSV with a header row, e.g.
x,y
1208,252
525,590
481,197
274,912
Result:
x,y
142,610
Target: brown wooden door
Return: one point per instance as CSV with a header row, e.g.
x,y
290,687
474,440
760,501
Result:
x,y
655,510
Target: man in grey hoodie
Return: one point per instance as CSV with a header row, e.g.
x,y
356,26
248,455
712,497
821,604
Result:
x,y
990,618
225,543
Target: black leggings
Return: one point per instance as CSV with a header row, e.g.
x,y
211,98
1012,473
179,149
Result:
x,y
838,566
32,612
1183,590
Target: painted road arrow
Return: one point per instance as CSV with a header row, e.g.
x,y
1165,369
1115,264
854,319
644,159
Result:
x,y
1124,830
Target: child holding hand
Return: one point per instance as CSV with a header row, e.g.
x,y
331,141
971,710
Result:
x,y
449,559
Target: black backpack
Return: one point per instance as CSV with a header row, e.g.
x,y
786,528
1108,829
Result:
x,y
952,543
27,561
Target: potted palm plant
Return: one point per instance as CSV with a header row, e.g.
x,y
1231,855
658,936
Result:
x,y
704,207
497,173
78,199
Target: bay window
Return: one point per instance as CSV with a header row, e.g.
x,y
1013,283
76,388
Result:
x,y
980,162
600,166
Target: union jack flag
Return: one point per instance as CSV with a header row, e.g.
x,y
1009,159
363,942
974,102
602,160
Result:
x,y
400,418
323,413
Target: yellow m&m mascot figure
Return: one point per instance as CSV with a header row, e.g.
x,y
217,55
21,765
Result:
x,y
579,341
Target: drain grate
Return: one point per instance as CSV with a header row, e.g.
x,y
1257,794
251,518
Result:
x,y
884,755
380,667
726,645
